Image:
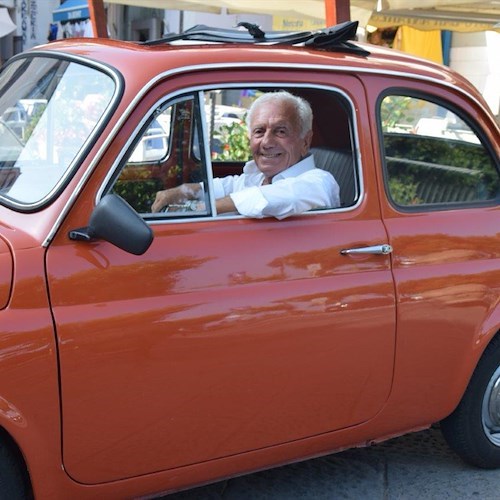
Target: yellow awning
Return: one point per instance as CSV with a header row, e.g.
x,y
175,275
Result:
x,y
426,44
431,20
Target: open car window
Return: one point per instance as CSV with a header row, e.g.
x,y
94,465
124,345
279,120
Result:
x,y
203,135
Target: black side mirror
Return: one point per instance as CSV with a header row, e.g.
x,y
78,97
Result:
x,y
115,221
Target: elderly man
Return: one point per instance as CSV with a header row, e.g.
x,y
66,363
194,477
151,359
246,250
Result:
x,y
282,179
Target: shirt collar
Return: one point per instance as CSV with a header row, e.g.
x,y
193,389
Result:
x,y
307,163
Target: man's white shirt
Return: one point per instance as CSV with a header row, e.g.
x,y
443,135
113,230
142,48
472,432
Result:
x,y
297,189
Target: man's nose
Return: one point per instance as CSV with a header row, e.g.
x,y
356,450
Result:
x,y
268,138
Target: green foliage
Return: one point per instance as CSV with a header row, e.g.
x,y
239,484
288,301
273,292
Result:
x,y
236,145
35,118
450,170
395,110
139,194
403,190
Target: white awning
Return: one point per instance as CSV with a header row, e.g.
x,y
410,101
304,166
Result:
x,y
457,12
6,24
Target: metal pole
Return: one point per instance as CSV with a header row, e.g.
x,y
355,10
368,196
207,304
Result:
x,y
98,18
337,11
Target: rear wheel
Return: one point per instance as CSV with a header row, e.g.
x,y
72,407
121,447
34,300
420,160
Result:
x,y
473,429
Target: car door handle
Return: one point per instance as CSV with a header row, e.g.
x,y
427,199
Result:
x,y
374,250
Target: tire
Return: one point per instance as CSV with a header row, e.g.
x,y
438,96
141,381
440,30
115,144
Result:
x,y
14,483
473,429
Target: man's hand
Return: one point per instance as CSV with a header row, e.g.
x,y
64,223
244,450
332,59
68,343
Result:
x,y
176,196
162,199
182,194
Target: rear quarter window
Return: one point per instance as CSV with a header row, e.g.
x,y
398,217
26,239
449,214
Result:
x,y
433,157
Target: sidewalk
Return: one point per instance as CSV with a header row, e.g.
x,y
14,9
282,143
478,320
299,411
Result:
x,y
417,466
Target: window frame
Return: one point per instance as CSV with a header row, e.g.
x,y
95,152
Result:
x,y
197,92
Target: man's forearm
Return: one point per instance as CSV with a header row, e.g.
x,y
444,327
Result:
x,y
225,205
185,192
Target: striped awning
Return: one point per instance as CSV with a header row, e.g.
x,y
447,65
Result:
x,y
71,10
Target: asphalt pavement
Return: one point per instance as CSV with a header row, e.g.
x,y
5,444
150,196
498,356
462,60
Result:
x,y
417,466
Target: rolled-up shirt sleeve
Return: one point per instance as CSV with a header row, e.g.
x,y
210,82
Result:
x,y
250,202
289,196
224,185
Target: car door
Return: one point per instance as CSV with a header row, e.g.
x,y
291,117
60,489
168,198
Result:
x,y
229,335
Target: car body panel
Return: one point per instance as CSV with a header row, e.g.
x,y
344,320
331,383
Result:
x,y
232,331
6,274
29,400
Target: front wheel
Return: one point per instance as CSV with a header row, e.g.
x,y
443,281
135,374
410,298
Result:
x,y
14,481
473,429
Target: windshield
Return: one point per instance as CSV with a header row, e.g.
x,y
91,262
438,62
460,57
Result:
x,y
48,110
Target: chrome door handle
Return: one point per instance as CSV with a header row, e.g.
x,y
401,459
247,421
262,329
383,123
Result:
x,y
374,250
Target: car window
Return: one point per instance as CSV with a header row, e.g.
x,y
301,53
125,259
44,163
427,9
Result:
x,y
166,153
433,157
203,135
48,110
154,144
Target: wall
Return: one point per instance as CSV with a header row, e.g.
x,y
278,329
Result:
x,y
475,55
33,18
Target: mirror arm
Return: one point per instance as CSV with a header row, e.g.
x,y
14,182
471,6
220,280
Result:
x,y
115,221
80,234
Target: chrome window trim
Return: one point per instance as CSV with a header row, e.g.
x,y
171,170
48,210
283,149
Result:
x,y
204,67
208,155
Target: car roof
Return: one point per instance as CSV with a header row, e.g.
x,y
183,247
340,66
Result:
x,y
178,54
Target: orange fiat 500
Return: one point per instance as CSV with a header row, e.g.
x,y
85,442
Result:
x,y
143,353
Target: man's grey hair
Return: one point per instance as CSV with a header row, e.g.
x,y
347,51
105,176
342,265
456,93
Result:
x,y
301,106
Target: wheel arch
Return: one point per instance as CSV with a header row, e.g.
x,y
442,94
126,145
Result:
x,y
484,338
486,335
490,327
472,429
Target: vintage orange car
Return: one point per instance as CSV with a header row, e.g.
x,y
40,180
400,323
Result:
x,y
144,353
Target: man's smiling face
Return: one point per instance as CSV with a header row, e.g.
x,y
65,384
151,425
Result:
x,y
275,138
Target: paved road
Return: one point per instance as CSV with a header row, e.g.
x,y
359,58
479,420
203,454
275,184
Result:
x,y
417,466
